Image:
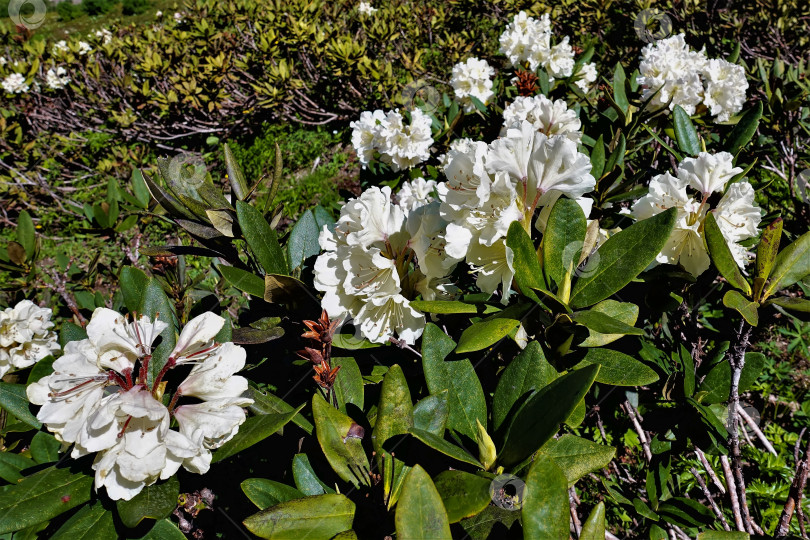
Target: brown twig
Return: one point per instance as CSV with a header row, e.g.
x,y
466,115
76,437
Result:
x,y
708,496
794,500
732,494
755,428
645,443
736,358
709,470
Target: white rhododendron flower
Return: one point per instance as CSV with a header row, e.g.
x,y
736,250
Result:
x,y
460,145
736,214
104,35
587,75
725,87
365,8
527,41
25,336
415,194
179,17
399,145
99,399
549,117
57,79
380,256
472,78
59,47
84,48
671,74
15,84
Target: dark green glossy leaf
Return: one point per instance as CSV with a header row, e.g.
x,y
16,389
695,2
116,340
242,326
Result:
x,y
463,494
447,448
721,255
621,258
261,239
254,430
156,305
133,287
394,410
528,371
92,522
563,241
153,502
343,452
528,273
745,307
792,304
545,512
430,413
483,334
624,312
605,324
619,369
303,241
717,383
685,132
443,307
420,511
598,158
320,516
235,174
305,478
71,332
791,265
349,383
26,234
243,280
14,400
745,129
45,448
594,526
267,403
265,493
576,456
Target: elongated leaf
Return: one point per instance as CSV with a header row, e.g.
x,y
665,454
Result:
x,y
618,368
420,511
243,280
14,400
11,464
745,307
621,258
605,324
447,448
261,239
154,502
349,383
41,497
483,334
163,530
528,273
394,410
92,522
133,287
45,448
619,94
598,158
745,129
528,371
576,456
594,527
71,332
343,452
792,304
563,240
430,414
685,132
791,265
320,516
254,430
235,174
540,418
279,289
26,234
156,305
545,512
443,307
463,494
464,392
767,250
265,493
303,241
305,478
267,403
721,255
624,312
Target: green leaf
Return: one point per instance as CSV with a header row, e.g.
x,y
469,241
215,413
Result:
x,y
577,457
26,234
279,289
621,258
767,250
538,420
528,371
443,307
463,494
267,403
156,305
261,239
563,241
254,430
685,512
624,312
792,304
11,464
617,155
394,410
598,158
594,527
685,132
303,241
235,174
528,273
163,530
14,400
721,255
305,478
45,448
619,369
447,448
153,502
243,280
320,516
430,414
717,383
619,95
479,527
745,307
92,522
420,511
133,283
41,497
344,453
483,334
791,265
745,129
71,332
465,394
139,189
723,535
265,493
546,511
349,383
605,324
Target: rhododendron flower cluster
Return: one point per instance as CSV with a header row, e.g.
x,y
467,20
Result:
x,y
15,84
399,145
527,41
57,79
671,74
380,256
102,400
472,78
25,336
490,186
549,117
736,214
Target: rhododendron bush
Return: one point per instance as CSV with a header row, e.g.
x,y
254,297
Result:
x,y
533,317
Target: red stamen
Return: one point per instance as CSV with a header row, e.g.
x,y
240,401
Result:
x,y
144,368
70,390
126,425
115,377
170,363
173,402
